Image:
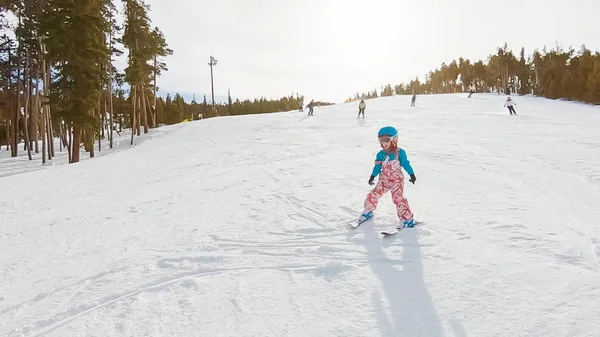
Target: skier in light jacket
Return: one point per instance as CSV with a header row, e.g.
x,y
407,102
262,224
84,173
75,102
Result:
x,y
361,108
509,104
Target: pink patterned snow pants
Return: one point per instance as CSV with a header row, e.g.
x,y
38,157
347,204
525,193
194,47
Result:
x,y
390,178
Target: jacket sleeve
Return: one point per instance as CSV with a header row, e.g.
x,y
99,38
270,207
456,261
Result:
x,y
405,162
378,160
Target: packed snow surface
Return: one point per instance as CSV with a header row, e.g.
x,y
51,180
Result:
x,y
238,226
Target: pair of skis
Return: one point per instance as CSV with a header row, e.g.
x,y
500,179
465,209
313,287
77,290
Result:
x,y
393,230
386,232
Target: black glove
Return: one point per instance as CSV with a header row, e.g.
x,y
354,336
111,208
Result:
x,y
371,180
413,179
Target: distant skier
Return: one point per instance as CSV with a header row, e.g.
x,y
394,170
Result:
x,y
509,104
389,162
310,107
412,101
361,108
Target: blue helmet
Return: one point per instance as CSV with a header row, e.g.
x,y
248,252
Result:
x,y
388,131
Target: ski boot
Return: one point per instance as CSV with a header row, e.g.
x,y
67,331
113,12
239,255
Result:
x,y
407,223
364,217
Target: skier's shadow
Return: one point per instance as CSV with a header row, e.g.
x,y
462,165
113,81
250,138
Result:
x,y
410,310
303,118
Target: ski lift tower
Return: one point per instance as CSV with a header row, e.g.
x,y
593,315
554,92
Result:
x,y
213,62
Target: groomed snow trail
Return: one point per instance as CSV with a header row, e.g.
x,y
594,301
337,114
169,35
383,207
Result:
x,y
236,226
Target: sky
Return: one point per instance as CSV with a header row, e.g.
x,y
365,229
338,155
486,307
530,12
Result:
x,y
328,50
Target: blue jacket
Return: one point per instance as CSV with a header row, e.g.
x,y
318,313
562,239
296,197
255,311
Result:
x,y
382,155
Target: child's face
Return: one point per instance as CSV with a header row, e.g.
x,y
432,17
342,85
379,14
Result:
x,y
385,141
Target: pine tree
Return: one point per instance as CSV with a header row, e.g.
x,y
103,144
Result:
x,y
76,42
138,39
160,49
593,85
113,77
524,74
467,73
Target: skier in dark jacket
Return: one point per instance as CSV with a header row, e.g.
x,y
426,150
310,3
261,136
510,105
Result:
x,y
310,107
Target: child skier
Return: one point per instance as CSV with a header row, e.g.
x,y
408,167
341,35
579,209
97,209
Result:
x,y
389,162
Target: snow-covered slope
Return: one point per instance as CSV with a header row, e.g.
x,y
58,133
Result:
x,y
21,164
237,226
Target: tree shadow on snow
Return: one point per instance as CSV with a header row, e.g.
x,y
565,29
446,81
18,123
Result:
x,y
403,305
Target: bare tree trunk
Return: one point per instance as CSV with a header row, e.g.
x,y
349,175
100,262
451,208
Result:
x,y
102,109
52,150
13,138
65,130
138,118
26,129
89,139
507,77
7,133
39,111
133,101
154,105
31,117
7,110
43,125
26,91
19,115
22,116
60,143
43,104
69,144
35,116
111,121
110,82
139,114
105,131
101,123
143,105
76,140
537,81
152,111
49,133
14,124
50,127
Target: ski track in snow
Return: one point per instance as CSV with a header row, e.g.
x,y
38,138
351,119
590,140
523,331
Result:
x,y
238,226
